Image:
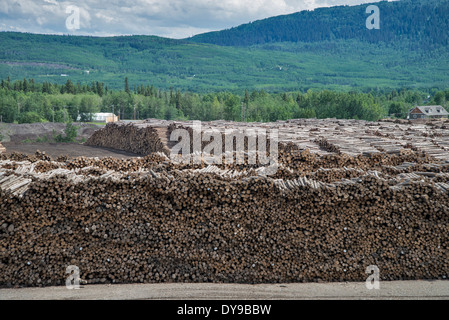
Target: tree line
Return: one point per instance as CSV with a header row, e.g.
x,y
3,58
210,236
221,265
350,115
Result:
x,y
25,101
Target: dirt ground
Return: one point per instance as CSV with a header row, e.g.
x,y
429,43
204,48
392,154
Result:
x,y
22,138
29,132
72,150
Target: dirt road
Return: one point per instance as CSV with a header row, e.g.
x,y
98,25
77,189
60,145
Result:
x,y
397,290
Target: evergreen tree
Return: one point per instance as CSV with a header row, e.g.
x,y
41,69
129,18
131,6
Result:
x,y
45,88
126,85
246,98
178,99
69,87
100,89
32,85
245,105
25,85
18,85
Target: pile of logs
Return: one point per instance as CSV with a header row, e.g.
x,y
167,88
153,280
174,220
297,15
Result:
x,y
327,146
138,138
342,198
226,138
321,137
150,220
15,156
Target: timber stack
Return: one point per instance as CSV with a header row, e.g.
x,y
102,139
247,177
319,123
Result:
x,y
138,138
324,215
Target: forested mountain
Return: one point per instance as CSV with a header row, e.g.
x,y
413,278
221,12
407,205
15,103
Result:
x,y
424,23
321,63
328,48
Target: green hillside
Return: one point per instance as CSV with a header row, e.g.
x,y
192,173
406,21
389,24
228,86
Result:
x,y
345,59
424,24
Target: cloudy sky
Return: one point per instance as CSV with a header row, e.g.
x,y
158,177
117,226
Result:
x,y
167,18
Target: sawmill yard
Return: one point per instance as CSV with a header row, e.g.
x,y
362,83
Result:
x,y
346,195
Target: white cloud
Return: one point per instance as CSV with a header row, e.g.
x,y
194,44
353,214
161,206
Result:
x,y
168,18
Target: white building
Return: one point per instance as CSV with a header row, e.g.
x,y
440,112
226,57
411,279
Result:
x,y
102,117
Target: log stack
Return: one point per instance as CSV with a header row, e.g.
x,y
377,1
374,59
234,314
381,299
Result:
x,y
138,138
320,137
344,197
147,220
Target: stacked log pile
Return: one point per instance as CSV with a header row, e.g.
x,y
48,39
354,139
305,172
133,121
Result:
x,y
149,220
241,130
138,138
327,146
343,198
321,137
